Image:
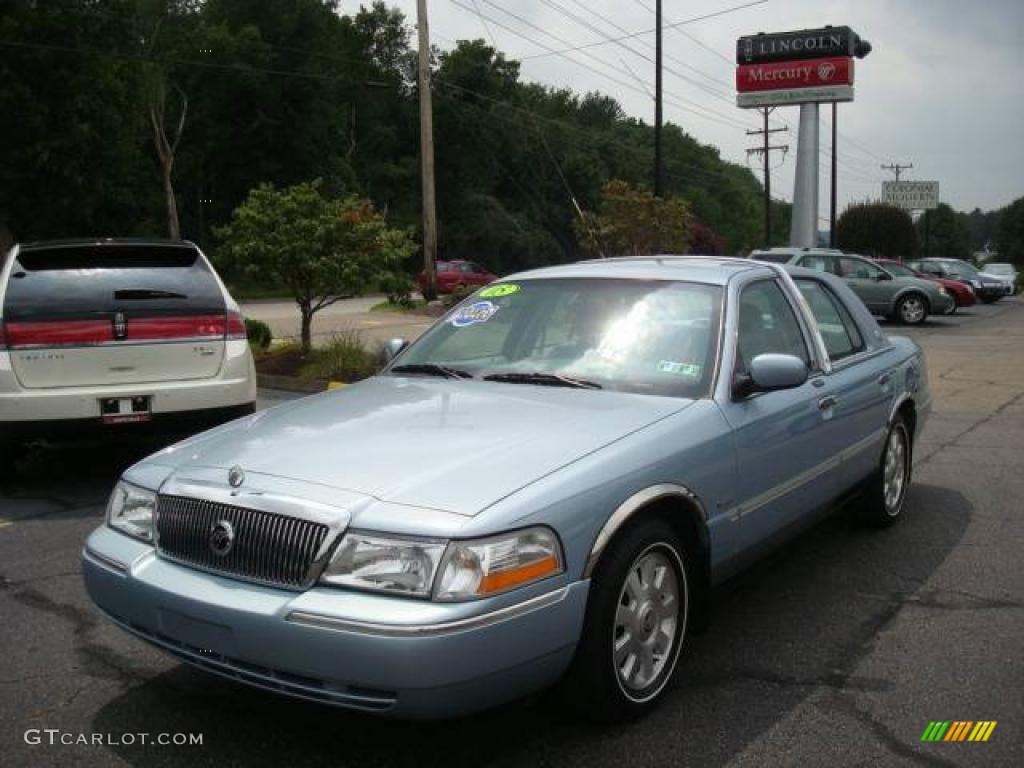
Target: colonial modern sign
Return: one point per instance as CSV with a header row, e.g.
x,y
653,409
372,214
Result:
x,y
911,195
773,76
803,44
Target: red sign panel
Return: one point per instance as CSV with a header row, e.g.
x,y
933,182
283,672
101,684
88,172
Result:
x,y
809,73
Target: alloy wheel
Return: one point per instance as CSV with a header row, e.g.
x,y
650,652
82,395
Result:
x,y
895,470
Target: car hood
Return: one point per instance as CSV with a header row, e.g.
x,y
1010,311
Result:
x,y
429,443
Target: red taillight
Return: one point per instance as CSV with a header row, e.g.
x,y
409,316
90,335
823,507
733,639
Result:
x,y
236,326
62,333
187,327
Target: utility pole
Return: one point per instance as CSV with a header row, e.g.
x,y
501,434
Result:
x,y
832,201
658,181
427,155
896,168
765,150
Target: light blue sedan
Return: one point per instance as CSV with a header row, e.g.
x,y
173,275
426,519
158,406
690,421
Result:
x,y
543,487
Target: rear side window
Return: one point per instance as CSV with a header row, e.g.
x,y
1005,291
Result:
x,y
85,280
838,329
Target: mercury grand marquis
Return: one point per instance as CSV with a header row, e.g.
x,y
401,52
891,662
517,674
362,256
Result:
x,y
542,488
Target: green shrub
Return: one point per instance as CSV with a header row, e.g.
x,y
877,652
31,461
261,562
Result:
x,y
259,333
347,357
453,298
399,287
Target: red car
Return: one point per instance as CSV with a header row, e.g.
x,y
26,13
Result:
x,y
453,275
962,292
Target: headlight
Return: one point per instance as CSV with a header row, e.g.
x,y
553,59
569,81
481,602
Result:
x,y
975,283
130,510
942,290
485,567
368,561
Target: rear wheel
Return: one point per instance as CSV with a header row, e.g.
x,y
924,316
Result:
x,y
912,309
637,619
882,502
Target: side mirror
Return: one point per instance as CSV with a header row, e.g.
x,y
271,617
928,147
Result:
x,y
769,372
393,347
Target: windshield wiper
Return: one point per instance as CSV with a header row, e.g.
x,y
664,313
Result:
x,y
544,379
433,369
141,294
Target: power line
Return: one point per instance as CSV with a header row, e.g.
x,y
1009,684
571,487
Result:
x,y
631,35
696,109
896,168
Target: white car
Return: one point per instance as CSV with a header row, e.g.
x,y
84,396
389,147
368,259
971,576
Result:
x,y
110,332
1004,273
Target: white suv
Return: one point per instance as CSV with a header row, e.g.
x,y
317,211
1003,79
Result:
x,y
107,332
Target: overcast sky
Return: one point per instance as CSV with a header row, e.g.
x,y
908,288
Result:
x,y
942,89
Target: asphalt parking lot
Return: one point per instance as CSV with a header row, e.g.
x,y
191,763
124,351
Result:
x,y
838,650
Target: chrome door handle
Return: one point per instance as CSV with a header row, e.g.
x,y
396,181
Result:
x,y
828,401
885,379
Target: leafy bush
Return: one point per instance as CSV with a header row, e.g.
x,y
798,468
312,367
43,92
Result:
x,y
347,357
399,287
258,333
453,298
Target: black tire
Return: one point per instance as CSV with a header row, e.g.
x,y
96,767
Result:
x,y
990,299
595,683
912,309
881,505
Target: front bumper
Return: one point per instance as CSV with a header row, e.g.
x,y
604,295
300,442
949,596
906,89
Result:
x,y
396,656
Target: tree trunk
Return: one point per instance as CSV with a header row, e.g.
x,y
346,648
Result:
x,y
173,227
306,311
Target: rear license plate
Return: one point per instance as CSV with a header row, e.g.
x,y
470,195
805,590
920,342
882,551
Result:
x,y
125,410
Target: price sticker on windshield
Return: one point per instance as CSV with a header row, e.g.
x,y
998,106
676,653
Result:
x,y
477,312
497,291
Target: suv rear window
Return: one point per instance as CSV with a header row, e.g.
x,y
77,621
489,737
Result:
x,y
83,280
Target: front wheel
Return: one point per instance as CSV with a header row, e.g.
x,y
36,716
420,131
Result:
x,y
912,309
882,502
637,619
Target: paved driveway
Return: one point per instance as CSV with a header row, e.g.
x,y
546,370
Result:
x,y
836,651
345,315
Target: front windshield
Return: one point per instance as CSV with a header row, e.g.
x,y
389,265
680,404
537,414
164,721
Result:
x,y
642,336
898,270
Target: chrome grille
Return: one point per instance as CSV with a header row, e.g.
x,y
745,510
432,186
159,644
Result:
x,y
268,548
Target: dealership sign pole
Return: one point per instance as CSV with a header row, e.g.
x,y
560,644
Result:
x,y
806,67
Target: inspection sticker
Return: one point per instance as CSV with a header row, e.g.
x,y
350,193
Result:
x,y
497,291
680,369
477,312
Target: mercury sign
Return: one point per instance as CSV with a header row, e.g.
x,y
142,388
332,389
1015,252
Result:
x,y
794,74
911,195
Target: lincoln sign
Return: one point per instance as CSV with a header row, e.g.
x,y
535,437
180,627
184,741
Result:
x,y
812,65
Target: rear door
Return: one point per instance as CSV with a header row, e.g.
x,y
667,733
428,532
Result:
x,y
90,315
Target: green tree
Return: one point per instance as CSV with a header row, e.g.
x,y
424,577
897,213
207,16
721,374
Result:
x,y
1010,243
948,236
321,248
633,222
878,230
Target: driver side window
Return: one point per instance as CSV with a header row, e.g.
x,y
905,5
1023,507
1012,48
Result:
x,y
767,324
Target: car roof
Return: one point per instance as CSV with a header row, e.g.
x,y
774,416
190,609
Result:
x,y
94,242
711,270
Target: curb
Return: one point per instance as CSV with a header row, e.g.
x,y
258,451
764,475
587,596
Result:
x,y
295,384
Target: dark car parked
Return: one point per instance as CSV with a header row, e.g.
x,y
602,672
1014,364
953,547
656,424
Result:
x,y
989,289
453,275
